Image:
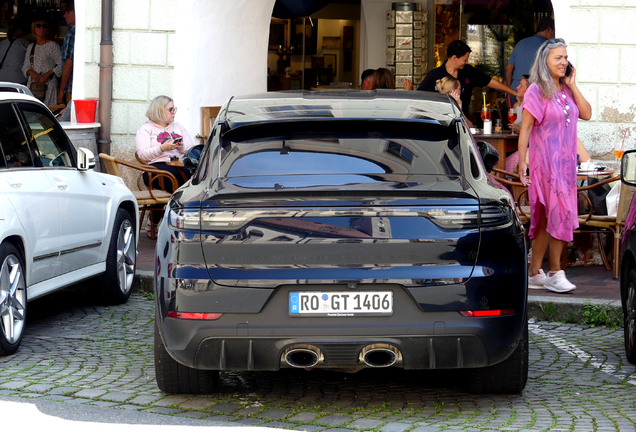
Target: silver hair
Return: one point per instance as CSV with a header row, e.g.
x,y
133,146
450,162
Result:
x,y
156,111
539,72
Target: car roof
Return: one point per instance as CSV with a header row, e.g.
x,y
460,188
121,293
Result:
x,y
12,91
10,87
340,105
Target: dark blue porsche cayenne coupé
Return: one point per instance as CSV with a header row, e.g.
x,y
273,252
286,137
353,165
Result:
x,y
341,230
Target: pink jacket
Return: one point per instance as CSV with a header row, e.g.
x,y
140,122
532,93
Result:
x,y
148,147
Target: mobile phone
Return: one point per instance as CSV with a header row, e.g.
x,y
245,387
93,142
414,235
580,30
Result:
x,y
178,140
568,71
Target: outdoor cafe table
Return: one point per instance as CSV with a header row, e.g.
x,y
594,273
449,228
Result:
x,y
503,142
600,174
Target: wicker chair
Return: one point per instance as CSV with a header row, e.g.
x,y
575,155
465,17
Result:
x,y
149,200
613,224
518,190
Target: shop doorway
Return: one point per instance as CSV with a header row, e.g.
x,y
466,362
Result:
x,y
490,27
25,11
318,51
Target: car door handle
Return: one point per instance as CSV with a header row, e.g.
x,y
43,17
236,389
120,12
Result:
x,y
60,183
14,183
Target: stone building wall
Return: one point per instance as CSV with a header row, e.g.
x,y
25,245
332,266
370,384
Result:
x,y
603,50
143,66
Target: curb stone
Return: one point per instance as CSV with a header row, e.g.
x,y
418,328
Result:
x,y
569,309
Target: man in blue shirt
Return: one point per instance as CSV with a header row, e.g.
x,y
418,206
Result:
x,y
68,48
525,51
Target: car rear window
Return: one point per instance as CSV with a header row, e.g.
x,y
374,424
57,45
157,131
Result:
x,y
386,150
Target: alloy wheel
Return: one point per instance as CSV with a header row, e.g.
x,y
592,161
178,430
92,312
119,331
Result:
x,y
12,298
631,298
630,327
126,255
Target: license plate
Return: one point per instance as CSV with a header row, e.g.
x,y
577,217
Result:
x,y
340,303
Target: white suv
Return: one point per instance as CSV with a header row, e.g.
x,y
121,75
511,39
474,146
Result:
x,y
60,221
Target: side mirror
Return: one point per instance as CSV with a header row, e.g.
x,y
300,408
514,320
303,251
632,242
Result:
x,y
191,158
489,155
85,159
628,168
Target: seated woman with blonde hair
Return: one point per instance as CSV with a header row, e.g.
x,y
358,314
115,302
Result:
x,y
450,86
161,138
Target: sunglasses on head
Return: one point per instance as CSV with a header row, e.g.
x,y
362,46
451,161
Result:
x,y
559,40
42,26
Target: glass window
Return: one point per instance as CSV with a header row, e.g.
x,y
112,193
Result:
x,y
15,149
52,148
399,148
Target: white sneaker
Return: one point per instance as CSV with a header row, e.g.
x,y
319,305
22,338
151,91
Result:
x,y
558,282
537,281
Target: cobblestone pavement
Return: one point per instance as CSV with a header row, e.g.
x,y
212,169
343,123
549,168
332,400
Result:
x,y
77,352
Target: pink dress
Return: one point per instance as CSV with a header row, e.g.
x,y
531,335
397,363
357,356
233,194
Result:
x,y
552,153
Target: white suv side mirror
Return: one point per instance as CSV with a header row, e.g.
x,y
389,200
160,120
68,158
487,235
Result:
x,y
85,159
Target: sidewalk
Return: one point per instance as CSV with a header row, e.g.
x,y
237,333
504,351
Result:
x,y
594,284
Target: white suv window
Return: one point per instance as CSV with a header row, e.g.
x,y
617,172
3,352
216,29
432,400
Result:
x,y
15,149
51,147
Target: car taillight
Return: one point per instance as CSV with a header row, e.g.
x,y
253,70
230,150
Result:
x,y
495,216
488,313
233,220
194,315
468,218
454,218
181,219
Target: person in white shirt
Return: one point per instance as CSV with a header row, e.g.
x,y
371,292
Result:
x,y
12,51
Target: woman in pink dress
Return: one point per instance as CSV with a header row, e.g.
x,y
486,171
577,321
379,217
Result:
x,y
552,105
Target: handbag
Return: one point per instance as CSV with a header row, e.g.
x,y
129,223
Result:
x,y
597,196
38,89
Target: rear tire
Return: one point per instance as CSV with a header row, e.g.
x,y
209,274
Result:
x,y
173,377
509,376
116,282
13,299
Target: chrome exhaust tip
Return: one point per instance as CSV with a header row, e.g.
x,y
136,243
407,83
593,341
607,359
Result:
x,y
380,355
304,356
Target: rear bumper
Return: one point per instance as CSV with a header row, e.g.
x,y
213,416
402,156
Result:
x,y
434,340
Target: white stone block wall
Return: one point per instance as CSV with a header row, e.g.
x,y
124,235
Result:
x,y
143,65
603,50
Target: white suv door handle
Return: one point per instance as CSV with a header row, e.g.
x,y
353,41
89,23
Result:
x,y
13,182
59,183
